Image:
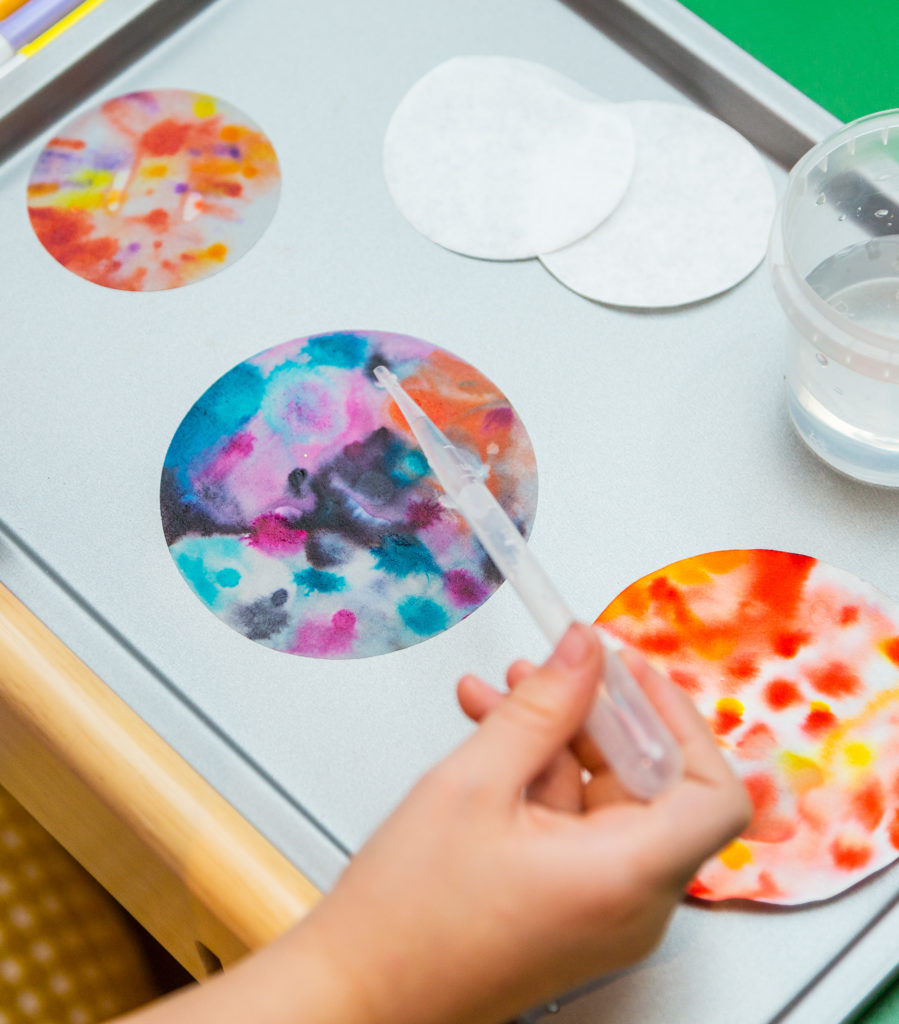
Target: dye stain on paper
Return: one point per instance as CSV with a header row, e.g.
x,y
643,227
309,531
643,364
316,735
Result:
x,y
795,665
153,190
298,507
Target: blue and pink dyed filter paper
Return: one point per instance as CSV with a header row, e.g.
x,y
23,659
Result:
x,y
300,510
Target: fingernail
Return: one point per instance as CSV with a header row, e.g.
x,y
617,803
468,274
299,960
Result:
x,y
572,649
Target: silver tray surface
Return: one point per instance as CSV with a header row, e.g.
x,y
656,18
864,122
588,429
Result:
x,y
658,435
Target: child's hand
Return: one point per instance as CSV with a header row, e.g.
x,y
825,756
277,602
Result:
x,y
518,867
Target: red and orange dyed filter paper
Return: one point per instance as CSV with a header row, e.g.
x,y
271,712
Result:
x,y
153,190
794,665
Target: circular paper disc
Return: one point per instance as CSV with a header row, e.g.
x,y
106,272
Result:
x,y
794,665
299,508
503,159
153,190
694,222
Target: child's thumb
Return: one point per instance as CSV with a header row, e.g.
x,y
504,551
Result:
x,y
520,737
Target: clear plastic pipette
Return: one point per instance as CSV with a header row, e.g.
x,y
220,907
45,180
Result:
x,y
624,725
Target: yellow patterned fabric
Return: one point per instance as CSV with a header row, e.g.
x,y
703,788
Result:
x,y
67,953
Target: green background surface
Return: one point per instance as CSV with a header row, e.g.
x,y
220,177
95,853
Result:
x,y
884,1011
844,54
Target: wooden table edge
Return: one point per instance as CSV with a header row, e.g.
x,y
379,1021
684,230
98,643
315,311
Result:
x,y
139,818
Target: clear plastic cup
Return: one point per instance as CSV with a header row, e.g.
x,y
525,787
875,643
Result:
x,y
834,262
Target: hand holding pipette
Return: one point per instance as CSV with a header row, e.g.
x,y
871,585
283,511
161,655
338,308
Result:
x,y
623,724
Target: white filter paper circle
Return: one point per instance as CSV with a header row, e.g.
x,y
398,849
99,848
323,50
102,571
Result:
x,y
503,159
694,222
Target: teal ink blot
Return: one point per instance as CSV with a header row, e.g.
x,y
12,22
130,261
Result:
x,y
221,412
345,351
319,582
401,556
227,577
411,467
194,571
423,616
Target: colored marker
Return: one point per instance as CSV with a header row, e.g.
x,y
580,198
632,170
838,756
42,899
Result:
x,y
624,725
57,30
8,6
30,21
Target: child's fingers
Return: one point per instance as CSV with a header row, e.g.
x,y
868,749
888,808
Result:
x,y
476,698
604,788
582,746
518,740
519,670
559,786
586,751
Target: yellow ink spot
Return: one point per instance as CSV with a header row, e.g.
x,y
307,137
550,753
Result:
x,y
204,106
91,178
78,199
819,705
833,741
736,855
730,706
217,251
858,754
802,772
155,171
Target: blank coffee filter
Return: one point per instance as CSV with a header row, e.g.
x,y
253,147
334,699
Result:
x,y
694,222
504,159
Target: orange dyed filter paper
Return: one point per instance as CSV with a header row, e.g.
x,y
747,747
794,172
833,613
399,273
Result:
x,y
794,665
153,190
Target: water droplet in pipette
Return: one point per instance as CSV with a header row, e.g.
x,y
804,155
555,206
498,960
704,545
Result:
x,y
823,165
851,147
552,1007
821,200
885,135
881,213
822,359
842,216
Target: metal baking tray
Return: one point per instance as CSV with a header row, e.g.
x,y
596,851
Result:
x,y
678,442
